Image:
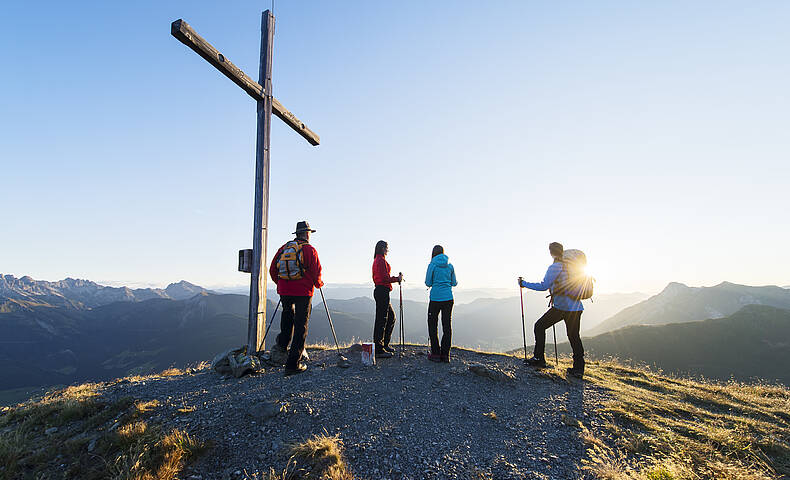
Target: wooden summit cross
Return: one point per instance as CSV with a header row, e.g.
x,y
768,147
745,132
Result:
x,y
262,93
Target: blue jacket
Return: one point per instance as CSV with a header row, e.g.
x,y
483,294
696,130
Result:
x,y
441,278
561,302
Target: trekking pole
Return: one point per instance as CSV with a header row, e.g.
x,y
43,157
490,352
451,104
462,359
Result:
x,y
271,321
523,327
400,291
343,361
556,358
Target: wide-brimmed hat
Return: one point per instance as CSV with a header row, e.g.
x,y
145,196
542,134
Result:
x,y
303,227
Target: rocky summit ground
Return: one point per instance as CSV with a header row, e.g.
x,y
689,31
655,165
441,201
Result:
x,y
483,416
402,418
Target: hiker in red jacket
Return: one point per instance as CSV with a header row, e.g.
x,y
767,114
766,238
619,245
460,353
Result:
x,y
296,271
385,315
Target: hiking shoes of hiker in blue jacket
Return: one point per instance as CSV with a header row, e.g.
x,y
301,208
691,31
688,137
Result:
x,y
441,278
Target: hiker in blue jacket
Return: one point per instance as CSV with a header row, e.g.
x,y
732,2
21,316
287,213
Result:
x,y
562,308
440,277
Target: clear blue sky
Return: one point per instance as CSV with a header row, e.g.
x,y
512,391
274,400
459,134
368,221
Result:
x,y
653,135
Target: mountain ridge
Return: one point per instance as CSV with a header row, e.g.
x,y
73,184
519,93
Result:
x,y
679,303
80,294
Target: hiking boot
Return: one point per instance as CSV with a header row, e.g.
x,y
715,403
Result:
x,y
383,354
575,372
300,368
434,358
387,348
444,358
536,362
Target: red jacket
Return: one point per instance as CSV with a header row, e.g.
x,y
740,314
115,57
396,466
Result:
x,y
381,272
311,276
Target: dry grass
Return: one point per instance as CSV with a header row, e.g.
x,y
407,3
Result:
x,y
491,415
171,372
145,407
321,456
148,454
93,439
676,429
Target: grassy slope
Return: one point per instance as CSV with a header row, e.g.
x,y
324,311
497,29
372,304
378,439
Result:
x,y
63,435
670,428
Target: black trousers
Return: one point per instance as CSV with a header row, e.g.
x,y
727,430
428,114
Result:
x,y
572,326
385,317
446,309
293,326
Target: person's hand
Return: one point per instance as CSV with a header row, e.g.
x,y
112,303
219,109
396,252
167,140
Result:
x,y
400,277
520,281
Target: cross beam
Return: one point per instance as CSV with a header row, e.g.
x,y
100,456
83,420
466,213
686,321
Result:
x,y
189,37
266,105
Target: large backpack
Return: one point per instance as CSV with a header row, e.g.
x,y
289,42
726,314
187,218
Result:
x,y
290,263
572,281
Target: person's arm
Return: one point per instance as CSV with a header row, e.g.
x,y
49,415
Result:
x,y
273,271
429,276
380,274
313,270
548,279
453,280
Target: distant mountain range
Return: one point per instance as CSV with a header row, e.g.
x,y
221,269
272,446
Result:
x,y
753,343
492,324
19,293
76,330
679,303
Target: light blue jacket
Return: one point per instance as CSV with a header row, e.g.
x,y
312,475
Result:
x,y
441,278
561,302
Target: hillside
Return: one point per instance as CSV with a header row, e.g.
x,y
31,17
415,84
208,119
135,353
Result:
x,y
753,343
484,416
678,303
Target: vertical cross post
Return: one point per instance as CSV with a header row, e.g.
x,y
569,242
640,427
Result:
x,y
257,312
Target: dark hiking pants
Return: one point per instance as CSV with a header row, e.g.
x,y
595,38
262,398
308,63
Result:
x,y
385,317
572,326
293,326
446,309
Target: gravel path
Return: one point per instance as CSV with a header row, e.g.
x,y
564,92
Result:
x,y
402,418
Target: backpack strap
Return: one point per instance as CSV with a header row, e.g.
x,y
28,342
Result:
x,y
299,257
